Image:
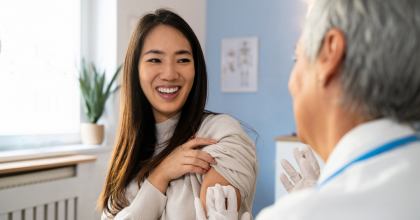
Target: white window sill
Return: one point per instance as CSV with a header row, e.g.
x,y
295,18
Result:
x,y
36,153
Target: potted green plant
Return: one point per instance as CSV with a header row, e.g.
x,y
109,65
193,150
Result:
x,y
94,96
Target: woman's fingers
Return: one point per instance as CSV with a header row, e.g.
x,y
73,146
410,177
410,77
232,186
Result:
x,y
196,142
196,162
192,169
201,155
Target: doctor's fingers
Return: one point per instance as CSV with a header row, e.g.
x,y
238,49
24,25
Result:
x,y
298,154
196,162
286,183
199,211
210,200
230,193
294,176
308,171
220,198
310,156
246,216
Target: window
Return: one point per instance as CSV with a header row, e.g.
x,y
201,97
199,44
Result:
x,y
39,54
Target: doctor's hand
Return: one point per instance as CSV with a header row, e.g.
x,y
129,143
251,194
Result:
x,y
216,204
309,169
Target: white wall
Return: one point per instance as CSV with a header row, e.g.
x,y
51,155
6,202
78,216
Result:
x,y
97,174
276,23
193,11
99,45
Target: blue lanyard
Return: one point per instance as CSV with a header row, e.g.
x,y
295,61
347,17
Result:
x,y
382,149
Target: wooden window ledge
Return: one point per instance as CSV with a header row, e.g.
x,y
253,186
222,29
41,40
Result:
x,y
45,163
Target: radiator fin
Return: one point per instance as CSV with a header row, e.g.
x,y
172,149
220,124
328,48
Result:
x,y
59,210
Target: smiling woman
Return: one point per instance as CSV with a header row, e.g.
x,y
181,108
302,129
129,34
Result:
x,y
169,148
166,71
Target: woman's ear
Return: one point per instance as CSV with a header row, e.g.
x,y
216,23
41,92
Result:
x,y
330,56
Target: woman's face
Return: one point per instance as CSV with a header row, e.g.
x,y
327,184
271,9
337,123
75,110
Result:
x,y
302,84
166,71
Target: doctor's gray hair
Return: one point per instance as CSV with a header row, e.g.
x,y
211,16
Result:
x,y
380,73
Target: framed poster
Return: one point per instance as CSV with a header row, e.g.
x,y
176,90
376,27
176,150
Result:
x,y
239,64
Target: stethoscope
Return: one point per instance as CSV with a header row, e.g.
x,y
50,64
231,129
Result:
x,y
375,152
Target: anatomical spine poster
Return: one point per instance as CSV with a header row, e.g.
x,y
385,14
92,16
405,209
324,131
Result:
x,y
239,64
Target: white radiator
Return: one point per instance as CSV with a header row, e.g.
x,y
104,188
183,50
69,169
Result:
x,y
56,194
60,210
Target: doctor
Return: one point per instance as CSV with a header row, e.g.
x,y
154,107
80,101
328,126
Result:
x,y
356,96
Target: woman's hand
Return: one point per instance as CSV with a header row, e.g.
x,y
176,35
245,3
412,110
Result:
x,y
184,159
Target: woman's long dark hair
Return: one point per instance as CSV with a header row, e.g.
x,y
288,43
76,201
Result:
x,y
136,140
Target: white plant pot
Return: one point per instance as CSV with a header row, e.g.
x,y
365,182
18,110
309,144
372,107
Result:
x,y
92,134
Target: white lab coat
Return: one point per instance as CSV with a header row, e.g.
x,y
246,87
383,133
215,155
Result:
x,y
386,186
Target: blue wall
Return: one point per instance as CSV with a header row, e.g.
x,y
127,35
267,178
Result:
x,y
269,111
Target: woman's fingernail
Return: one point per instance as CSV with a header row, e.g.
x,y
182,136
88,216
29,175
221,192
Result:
x,y
213,162
213,141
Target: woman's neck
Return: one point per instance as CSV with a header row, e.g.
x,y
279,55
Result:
x,y
161,117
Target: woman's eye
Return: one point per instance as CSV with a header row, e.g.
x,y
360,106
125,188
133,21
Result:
x,y
183,61
154,61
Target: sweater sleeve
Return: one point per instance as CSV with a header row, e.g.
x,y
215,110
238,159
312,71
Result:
x,y
148,204
234,152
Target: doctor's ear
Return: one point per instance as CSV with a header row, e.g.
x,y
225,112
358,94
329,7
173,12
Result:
x,y
330,56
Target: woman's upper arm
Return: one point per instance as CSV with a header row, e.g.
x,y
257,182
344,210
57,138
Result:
x,y
210,179
236,158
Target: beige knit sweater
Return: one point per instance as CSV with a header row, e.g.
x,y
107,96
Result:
x,y
237,162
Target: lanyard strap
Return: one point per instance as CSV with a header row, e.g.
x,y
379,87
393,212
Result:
x,y
382,149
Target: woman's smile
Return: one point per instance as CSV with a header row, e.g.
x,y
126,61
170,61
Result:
x,y
168,92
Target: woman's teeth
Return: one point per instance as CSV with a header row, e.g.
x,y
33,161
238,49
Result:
x,y
168,90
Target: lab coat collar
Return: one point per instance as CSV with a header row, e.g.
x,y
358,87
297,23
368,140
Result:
x,y
360,140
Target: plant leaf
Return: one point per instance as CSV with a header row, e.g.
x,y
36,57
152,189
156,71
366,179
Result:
x,y
84,96
92,87
113,79
86,75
